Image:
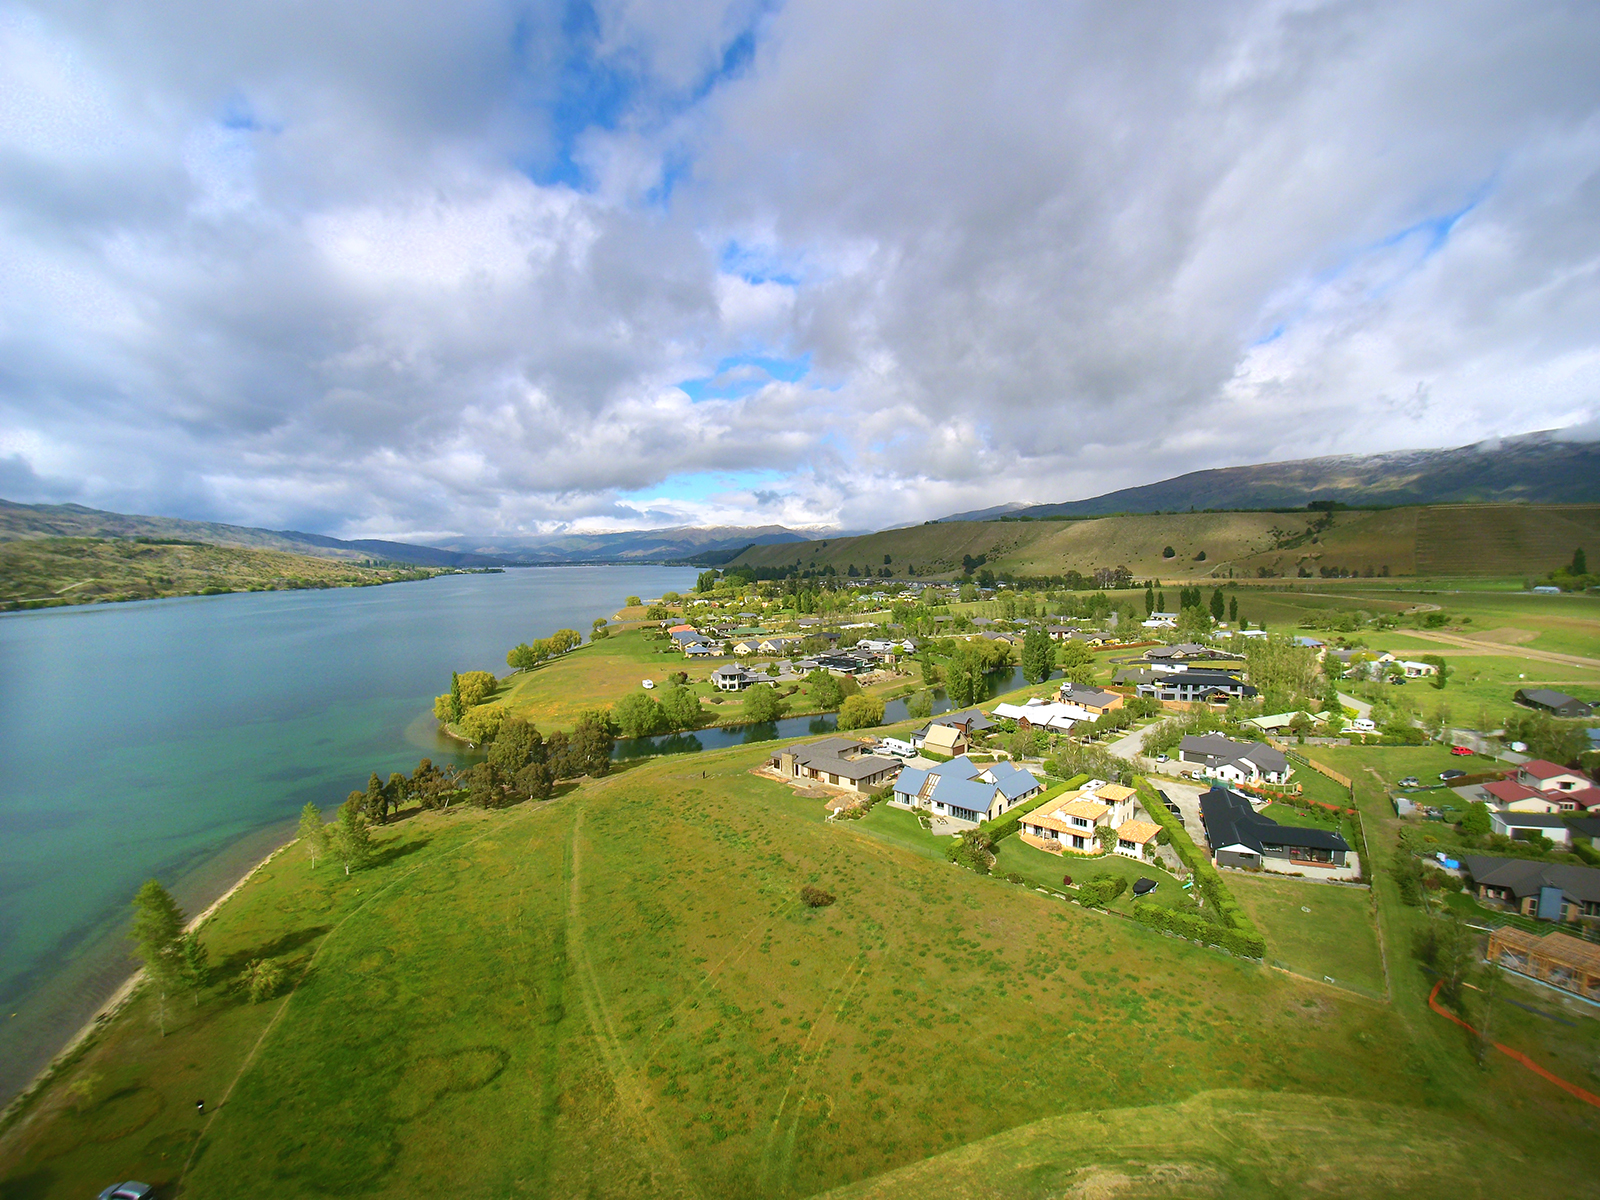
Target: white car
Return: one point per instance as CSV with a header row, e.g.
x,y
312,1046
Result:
x,y
647,684
126,1191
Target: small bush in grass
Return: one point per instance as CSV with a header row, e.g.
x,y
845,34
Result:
x,y
1066,881
1013,877
815,897
261,979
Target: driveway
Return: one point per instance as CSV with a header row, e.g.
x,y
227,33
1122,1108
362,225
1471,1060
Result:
x,y
1362,708
1187,797
1131,747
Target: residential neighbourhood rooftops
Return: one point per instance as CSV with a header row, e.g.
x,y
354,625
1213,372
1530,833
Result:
x,y
1524,877
1229,820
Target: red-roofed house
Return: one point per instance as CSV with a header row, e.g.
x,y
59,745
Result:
x,y
1509,796
1551,777
1581,800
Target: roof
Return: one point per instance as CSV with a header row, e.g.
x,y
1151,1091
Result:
x,y
1524,877
1090,810
1217,749
1230,821
1541,768
1506,791
1548,698
1521,820
1012,780
1137,831
1078,694
1114,793
1584,798
971,718
1562,947
946,736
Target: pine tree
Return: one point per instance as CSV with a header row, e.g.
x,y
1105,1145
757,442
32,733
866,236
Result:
x,y
1580,562
313,833
1149,599
1218,607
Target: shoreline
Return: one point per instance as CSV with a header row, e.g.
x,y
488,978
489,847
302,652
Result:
x,y
118,1000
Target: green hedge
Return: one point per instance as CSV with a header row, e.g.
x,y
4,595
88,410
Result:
x,y
1012,822
1207,879
1244,942
1101,890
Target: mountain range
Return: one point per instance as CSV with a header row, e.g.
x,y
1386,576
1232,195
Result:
x,y
1548,467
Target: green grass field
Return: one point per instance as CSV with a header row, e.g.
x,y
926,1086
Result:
x,y
619,994
1336,939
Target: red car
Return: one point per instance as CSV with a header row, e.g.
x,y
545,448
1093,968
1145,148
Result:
x,y
1461,750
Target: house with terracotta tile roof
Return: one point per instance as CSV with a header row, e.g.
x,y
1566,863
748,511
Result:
x,y
1137,839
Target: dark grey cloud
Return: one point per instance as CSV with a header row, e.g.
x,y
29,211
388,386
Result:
x,y
434,269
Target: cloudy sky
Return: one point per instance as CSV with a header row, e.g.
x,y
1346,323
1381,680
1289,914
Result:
x,y
490,267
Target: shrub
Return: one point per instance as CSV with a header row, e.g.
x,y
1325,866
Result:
x,y
1013,877
1101,889
973,849
1247,943
1066,881
261,979
815,897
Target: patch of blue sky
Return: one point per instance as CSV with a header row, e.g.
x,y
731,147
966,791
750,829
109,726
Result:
x,y
756,264
1392,259
240,116
742,374
698,486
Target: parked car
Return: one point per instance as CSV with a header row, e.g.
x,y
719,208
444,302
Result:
x,y
1452,776
1161,758
1461,750
1410,781
1397,680
126,1191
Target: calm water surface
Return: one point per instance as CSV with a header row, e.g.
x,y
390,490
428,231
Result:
x,y
180,738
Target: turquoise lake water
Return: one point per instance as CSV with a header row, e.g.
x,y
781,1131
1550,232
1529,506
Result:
x,y
180,738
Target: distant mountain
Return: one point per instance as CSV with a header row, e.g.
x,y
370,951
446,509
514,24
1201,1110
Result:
x,y
1534,468
23,521
643,545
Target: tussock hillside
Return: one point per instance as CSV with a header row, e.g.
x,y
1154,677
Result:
x,y
1459,540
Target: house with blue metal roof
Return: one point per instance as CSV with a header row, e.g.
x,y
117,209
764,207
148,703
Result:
x,y
963,792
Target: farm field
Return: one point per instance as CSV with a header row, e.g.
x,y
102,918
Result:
x,y
619,993
1336,939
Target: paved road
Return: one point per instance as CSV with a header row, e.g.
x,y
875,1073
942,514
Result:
x,y
1363,709
1131,747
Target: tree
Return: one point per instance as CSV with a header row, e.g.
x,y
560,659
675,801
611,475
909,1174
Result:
x,y
1218,605
350,837
1440,672
964,680
516,745
534,781
157,932
824,690
682,708
1233,610
762,704
1077,662
1149,599
1038,656
483,723
313,833
1475,822
920,706
598,630
861,712
590,745
1168,552
473,687
705,581
632,602
637,715
1161,598
194,966
930,673
1580,562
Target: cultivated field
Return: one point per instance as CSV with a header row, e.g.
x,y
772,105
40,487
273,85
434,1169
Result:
x,y
618,993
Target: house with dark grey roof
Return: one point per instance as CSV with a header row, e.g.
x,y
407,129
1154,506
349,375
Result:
x,y
964,793
1549,891
1209,687
730,678
1213,756
1559,703
1239,836
1525,826
1084,696
837,762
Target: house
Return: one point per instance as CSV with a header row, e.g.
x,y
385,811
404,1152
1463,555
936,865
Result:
x,y
1522,827
1546,589
837,762
1549,891
1210,687
1091,699
1277,721
1416,670
1160,621
747,645
1559,703
1218,757
1039,713
1072,822
777,645
1137,839
963,792
1551,777
1239,836
730,678
699,650
967,722
1508,795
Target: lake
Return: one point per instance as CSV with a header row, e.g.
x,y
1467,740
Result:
x,y
180,738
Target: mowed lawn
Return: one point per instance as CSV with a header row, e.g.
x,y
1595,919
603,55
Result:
x,y
1336,939
620,994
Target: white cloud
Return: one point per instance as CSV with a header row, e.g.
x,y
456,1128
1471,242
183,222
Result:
x,y
441,270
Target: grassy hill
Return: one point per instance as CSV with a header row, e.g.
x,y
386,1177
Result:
x,y
620,994
40,572
1455,540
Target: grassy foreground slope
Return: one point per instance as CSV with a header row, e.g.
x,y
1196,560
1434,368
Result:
x,y
40,572
618,993
1456,540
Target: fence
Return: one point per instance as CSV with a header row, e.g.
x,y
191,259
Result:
x,y
1320,768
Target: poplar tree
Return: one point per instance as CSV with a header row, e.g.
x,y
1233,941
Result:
x,y
313,833
157,932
